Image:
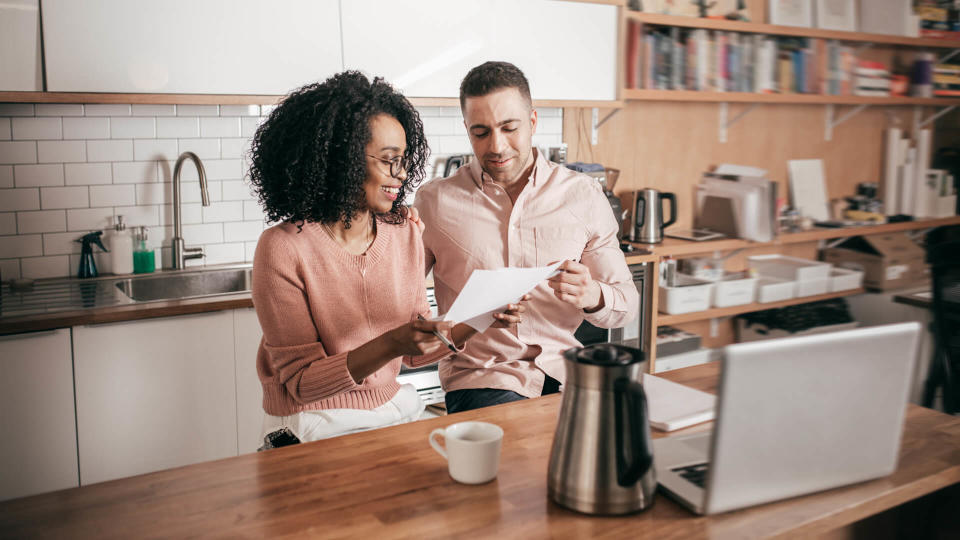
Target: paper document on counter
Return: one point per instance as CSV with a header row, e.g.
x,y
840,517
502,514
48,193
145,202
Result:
x,y
674,406
489,291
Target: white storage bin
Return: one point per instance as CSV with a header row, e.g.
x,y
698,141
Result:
x,y
734,290
789,268
774,290
811,287
689,294
842,279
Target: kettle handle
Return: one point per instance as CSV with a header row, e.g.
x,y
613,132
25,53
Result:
x,y
639,209
634,458
673,207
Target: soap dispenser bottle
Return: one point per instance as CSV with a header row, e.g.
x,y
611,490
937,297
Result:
x,y
143,258
121,248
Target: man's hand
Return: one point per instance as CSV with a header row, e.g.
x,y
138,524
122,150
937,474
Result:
x,y
574,286
512,315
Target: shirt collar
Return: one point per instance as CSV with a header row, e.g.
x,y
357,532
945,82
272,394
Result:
x,y
480,178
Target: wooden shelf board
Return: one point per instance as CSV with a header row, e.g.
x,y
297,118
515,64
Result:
x,y
636,94
244,99
665,319
675,247
759,28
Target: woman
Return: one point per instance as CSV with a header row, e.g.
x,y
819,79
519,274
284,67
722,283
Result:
x,y
338,284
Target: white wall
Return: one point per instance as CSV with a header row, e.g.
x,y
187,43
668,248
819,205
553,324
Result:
x,y
66,169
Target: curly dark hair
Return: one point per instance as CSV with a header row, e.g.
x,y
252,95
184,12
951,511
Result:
x,y
309,160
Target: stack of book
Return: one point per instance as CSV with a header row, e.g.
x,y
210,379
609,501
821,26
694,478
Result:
x,y
871,79
938,18
946,80
837,63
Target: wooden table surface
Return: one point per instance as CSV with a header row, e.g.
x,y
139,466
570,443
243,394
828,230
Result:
x,y
389,483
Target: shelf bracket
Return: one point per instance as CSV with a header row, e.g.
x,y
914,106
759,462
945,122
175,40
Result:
x,y
725,124
943,59
830,123
920,124
605,118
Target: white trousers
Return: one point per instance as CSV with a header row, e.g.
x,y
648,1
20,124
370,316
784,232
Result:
x,y
308,426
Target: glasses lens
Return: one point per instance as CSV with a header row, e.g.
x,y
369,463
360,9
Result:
x,y
396,166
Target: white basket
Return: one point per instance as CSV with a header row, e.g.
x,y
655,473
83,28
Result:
x,y
789,268
843,279
689,295
813,287
774,290
733,290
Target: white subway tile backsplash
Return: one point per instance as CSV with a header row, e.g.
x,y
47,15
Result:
x,y
267,110
155,149
204,149
134,172
223,253
8,223
115,109
9,269
45,267
161,236
64,197
549,124
135,216
27,245
206,233
38,175
6,176
222,169
86,128
61,151
86,174
37,128
234,148
113,195
62,243
112,150
59,109
43,221
220,127
154,110
5,129
133,128
16,109
453,144
442,125
249,125
89,219
189,213
12,200
253,211
242,231
221,212
198,110
18,152
159,193
177,127
239,110
237,190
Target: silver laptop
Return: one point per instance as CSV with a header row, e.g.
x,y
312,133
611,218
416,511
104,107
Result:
x,y
795,416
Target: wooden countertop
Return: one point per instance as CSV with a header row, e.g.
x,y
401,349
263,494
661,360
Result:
x,y
390,483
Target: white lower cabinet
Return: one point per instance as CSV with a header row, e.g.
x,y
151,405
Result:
x,y
37,419
246,341
154,394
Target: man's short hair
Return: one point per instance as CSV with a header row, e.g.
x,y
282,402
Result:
x,y
489,77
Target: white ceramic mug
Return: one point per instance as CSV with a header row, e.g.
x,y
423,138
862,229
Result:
x,y
472,450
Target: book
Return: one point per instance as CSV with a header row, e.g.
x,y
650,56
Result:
x,y
674,406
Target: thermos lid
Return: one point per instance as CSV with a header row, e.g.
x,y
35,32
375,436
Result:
x,y
606,355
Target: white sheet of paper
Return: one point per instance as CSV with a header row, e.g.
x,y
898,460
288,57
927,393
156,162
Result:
x,y
808,188
489,291
740,170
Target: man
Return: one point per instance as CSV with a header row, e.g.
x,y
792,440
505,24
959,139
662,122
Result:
x,y
511,207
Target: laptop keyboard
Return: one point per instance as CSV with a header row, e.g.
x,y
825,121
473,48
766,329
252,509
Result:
x,y
694,473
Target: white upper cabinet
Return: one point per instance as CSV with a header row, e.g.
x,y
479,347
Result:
x,y
189,46
424,47
20,66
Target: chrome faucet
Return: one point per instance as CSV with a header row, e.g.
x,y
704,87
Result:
x,y
180,252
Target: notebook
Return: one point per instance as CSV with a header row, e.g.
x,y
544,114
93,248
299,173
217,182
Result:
x,y
674,406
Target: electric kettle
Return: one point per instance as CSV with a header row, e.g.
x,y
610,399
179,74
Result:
x,y
602,456
648,221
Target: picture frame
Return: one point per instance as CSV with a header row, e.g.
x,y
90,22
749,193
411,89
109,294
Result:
x,y
836,15
790,12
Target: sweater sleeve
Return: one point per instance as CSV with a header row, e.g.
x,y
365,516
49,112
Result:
x,y
290,340
422,257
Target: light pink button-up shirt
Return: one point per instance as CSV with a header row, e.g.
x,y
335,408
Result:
x,y
560,214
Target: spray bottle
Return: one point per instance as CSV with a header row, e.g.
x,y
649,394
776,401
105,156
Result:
x,y
88,266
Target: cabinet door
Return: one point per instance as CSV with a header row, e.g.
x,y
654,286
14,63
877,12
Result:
x,y
567,50
154,394
247,334
184,46
37,418
20,62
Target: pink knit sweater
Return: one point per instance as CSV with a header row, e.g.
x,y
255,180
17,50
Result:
x,y
316,302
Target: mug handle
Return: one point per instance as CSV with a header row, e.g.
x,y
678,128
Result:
x,y
436,446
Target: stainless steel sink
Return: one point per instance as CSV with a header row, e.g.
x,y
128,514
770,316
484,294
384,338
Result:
x,y
186,284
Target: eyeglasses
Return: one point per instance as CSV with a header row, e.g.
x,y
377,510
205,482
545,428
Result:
x,y
397,164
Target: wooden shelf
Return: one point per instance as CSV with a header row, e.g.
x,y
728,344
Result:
x,y
664,319
759,28
634,94
677,248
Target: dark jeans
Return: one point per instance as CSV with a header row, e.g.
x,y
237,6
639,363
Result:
x,y
476,398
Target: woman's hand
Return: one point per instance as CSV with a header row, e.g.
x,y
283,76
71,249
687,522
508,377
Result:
x,y
512,315
416,337
414,215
